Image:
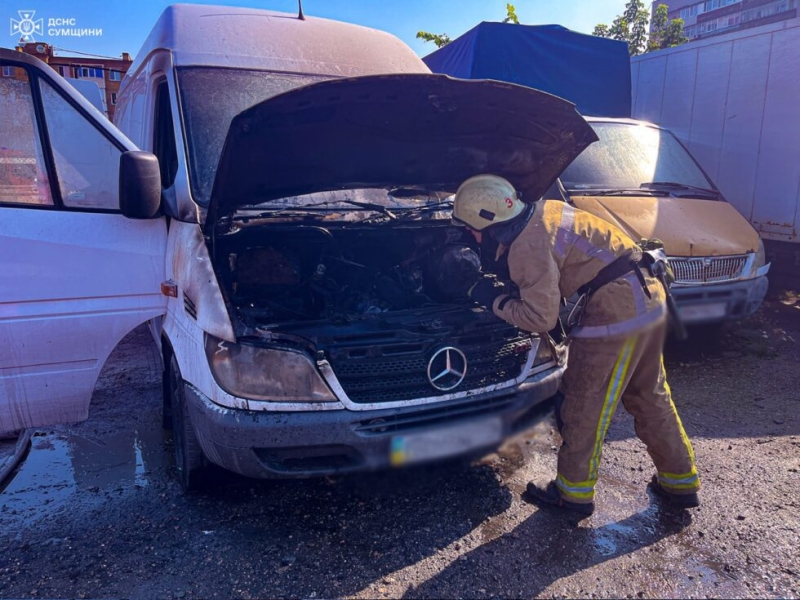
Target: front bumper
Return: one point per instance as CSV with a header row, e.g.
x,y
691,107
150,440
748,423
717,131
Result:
x,y
714,303
310,444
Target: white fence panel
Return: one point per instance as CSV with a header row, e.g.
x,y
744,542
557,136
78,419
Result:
x,y
778,182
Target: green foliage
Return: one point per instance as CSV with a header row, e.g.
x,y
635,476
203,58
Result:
x,y
511,15
674,35
601,30
637,17
665,33
660,18
619,29
440,39
632,25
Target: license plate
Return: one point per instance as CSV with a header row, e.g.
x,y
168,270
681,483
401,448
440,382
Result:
x,y
701,312
445,442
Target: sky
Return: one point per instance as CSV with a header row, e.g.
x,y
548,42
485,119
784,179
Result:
x,y
124,24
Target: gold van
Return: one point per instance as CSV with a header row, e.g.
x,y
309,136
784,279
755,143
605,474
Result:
x,y
641,178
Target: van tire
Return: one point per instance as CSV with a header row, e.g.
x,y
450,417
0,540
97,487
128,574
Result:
x,y
190,464
166,388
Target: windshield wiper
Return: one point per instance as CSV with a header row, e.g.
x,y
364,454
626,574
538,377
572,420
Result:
x,y
609,192
433,206
408,192
369,206
673,185
318,206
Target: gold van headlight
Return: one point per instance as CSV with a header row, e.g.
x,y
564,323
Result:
x,y
760,266
271,374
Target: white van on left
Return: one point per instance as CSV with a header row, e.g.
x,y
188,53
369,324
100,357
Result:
x,y
76,275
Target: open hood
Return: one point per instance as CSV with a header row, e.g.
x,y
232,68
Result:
x,y
395,130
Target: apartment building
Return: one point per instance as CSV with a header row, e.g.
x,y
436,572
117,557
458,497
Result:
x,y
107,73
704,18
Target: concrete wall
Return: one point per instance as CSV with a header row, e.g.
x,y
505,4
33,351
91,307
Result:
x,y
734,100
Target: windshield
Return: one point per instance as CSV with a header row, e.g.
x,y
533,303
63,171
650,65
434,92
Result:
x,y
629,155
210,98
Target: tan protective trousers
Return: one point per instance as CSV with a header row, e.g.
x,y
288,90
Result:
x,y
600,373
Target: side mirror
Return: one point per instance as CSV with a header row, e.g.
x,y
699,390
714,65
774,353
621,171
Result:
x,y
139,185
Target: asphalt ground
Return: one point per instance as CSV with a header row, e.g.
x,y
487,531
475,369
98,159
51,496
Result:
x,y
95,510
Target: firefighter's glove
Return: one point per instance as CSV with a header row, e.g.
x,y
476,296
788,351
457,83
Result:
x,y
657,264
656,246
651,244
669,275
486,290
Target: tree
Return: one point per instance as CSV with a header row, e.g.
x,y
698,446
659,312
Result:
x,y
665,33
674,35
636,17
631,27
511,15
601,30
658,28
619,29
442,39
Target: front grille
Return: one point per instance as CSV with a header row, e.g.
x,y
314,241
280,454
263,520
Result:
x,y
708,269
434,416
391,373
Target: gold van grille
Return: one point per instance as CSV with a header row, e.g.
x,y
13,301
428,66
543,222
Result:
x,y
711,269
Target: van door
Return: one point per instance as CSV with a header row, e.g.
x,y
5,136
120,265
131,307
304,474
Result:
x,y
75,275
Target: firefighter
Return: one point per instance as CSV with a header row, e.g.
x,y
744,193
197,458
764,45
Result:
x,y
615,351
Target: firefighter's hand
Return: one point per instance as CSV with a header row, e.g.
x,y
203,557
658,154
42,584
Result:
x,y
651,244
486,290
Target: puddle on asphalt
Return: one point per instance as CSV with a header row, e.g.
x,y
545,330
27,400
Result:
x,y
604,543
60,464
707,572
524,454
613,538
44,481
625,519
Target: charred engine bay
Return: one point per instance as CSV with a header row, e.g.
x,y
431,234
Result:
x,y
286,276
376,301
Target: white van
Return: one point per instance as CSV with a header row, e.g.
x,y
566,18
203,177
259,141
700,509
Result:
x,y
307,287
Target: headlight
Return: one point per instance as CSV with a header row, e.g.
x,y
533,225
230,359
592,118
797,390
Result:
x,y
760,266
265,373
544,354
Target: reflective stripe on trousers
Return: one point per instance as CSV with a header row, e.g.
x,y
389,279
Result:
x,y
616,385
601,373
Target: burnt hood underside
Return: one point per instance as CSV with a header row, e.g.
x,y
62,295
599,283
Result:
x,y
396,130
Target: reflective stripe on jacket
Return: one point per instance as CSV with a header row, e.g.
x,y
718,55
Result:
x,y
561,249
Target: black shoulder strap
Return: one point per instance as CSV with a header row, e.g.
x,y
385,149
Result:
x,y
619,268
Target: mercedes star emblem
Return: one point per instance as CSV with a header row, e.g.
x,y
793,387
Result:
x,y
447,368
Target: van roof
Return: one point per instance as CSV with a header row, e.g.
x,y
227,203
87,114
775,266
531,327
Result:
x,y
224,36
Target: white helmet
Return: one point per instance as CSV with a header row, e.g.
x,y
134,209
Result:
x,y
485,200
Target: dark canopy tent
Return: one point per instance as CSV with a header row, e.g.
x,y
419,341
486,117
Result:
x,y
593,73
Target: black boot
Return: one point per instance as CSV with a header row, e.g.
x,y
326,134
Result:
x,y
677,500
549,496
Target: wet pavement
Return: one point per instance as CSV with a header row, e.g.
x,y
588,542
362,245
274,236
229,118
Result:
x,y
95,509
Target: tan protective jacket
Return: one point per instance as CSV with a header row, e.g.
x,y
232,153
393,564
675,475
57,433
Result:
x,y
559,250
